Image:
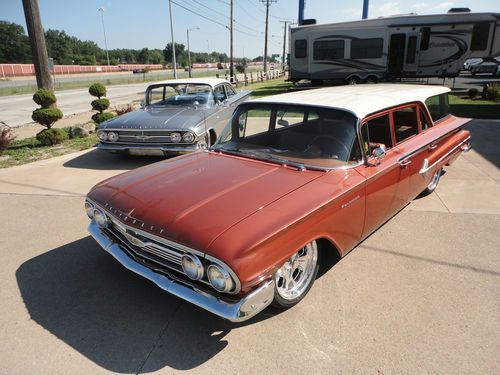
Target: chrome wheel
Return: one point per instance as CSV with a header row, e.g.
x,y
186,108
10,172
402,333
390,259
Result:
x,y
294,279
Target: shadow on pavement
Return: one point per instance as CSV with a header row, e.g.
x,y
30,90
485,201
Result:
x,y
100,160
115,318
484,139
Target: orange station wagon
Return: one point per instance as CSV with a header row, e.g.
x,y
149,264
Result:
x,y
293,177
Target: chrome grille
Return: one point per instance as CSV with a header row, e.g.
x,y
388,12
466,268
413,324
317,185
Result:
x,y
144,136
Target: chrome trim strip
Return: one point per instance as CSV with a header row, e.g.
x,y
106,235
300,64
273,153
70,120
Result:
x,y
426,146
238,311
426,168
147,147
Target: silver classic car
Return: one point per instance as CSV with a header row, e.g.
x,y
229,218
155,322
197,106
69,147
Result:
x,y
176,117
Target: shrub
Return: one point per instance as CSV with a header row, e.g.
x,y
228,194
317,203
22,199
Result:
x,y
101,117
6,137
78,132
45,98
100,104
472,93
493,92
240,68
47,116
124,109
97,89
50,137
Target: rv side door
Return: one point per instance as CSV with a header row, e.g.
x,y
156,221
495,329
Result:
x,y
411,52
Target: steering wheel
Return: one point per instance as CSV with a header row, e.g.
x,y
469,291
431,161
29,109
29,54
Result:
x,y
327,149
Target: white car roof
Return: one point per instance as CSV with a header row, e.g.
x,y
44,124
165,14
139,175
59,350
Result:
x,y
360,100
197,81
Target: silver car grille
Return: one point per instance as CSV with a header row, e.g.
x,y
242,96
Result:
x,y
144,136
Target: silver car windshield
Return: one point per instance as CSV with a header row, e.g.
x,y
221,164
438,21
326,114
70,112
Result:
x,y
304,136
182,94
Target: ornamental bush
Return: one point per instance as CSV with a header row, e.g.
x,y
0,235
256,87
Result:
x,y
45,98
6,137
101,117
472,93
47,116
97,89
100,104
50,137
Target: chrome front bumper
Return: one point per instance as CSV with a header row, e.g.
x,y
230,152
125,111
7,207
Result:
x,y
148,149
238,311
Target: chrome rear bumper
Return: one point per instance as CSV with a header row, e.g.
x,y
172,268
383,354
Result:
x,y
238,311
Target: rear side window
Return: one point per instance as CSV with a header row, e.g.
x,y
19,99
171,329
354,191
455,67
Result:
x,y
300,48
328,50
405,123
367,48
480,34
438,107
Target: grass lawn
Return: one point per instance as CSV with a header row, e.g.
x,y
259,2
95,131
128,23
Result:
x,y
474,108
29,150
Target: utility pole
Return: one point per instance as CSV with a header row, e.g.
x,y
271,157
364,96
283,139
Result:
x,y
189,51
231,64
101,10
284,43
37,42
365,9
267,3
173,43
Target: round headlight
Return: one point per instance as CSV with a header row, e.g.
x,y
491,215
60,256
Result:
x,y
101,219
188,137
103,136
89,209
219,278
113,136
192,266
175,137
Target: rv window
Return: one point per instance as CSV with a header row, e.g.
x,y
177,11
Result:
x,y
438,107
300,48
328,50
405,123
367,48
480,34
425,38
412,49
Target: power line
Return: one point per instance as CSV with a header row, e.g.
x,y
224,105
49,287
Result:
x,y
199,15
213,10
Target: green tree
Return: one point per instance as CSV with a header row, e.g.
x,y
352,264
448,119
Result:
x,y
144,56
180,53
14,44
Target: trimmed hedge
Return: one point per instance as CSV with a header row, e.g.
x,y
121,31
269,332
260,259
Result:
x,y
47,116
50,137
101,117
97,89
100,104
44,98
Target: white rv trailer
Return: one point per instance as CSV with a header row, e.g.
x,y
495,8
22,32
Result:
x,y
392,47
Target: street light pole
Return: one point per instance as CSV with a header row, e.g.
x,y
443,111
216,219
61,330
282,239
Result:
x,y
101,9
173,43
189,51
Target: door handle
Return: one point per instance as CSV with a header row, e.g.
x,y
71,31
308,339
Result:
x,y
432,147
404,163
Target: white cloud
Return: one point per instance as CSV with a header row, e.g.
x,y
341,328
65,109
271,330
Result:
x,y
444,6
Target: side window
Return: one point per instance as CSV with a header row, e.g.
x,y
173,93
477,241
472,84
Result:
x,y
412,50
438,106
219,94
405,123
230,91
425,38
367,48
377,131
424,124
300,48
253,121
480,34
328,50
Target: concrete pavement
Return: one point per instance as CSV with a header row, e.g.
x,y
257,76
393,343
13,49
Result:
x,y
421,295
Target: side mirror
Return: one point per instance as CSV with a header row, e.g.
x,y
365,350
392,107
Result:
x,y
379,153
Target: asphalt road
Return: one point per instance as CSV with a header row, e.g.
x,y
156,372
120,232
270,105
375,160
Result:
x,y
421,295
16,110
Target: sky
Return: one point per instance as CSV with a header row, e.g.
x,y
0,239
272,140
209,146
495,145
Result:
x,y
138,24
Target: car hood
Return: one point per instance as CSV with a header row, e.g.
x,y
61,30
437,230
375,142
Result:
x,y
168,118
193,199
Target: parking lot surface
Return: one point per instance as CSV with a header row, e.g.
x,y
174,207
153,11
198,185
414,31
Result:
x,y
421,295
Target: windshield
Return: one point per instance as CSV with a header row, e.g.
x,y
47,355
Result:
x,y
182,94
291,134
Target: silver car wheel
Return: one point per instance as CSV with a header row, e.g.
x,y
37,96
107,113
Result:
x,y
295,276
